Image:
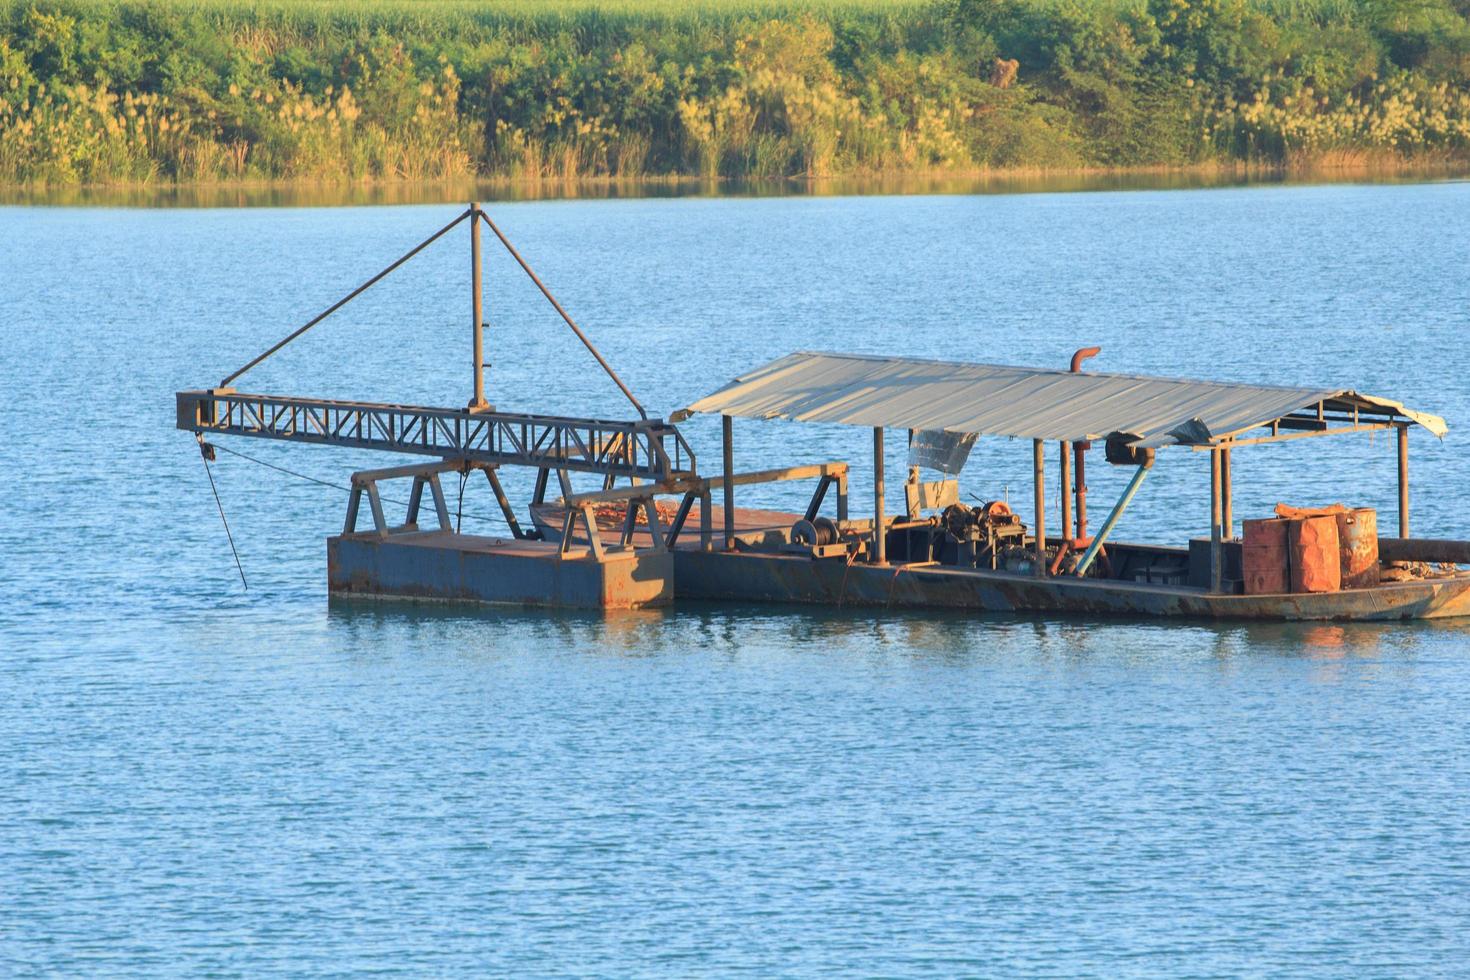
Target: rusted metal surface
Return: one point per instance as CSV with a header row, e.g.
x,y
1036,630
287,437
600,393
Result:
x,y
1424,549
1316,564
1403,446
1357,541
1080,539
1264,560
640,497
650,450
758,530
441,565
750,577
1030,403
1080,355
1217,558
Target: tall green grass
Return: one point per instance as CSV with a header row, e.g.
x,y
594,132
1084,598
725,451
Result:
x,y
97,91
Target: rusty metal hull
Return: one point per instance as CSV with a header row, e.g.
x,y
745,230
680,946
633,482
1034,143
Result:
x,y
755,577
463,567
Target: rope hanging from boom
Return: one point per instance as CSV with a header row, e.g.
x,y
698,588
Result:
x,y
206,452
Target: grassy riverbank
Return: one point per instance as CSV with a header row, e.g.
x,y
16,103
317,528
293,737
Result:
x,y
148,91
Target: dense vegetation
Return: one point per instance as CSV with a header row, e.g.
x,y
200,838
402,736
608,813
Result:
x,y
149,90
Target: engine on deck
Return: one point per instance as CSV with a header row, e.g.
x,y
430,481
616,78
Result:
x,y
991,535
988,536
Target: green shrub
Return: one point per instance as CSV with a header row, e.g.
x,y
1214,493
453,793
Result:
x,y
209,90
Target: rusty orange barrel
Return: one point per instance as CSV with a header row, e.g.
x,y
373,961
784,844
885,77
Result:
x,y
1357,541
1264,563
1312,549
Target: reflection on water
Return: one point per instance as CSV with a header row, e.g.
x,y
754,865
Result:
x,y
926,633
624,630
305,194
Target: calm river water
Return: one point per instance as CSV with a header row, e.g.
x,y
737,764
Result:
x,y
199,779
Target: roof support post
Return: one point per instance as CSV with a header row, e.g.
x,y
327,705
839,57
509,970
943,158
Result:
x,y
915,498
477,315
1217,555
1404,480
1038,464
705,542
880,543
1227,493
727,435
1066,489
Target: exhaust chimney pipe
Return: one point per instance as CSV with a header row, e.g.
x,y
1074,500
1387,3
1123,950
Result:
x,y
1079,455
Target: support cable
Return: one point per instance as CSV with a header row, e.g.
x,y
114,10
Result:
x,y
464,477
327,483
206,453
350,297
586,341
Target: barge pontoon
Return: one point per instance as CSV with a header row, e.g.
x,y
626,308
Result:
x,y
649,535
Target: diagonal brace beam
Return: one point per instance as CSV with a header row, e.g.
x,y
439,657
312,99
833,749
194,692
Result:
x,y
348,298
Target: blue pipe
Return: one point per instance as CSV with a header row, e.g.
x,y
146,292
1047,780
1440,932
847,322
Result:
x,y
1091,553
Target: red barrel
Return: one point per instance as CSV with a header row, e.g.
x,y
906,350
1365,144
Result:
x,y
1312,549
1264,563
1357,541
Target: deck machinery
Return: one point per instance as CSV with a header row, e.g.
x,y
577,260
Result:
x,y
626,545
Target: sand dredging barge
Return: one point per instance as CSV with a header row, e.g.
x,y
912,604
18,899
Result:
x,y
656,529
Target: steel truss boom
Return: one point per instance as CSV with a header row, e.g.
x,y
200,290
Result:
x,y
649,449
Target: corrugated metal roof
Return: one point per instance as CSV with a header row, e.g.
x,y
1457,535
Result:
x,y
1029,403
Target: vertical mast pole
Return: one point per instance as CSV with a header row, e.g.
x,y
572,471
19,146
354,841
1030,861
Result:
x,y
477,304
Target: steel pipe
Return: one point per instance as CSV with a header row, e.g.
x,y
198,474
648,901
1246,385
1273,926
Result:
x,y
1424,549
1403,481
1079,454
1129,492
